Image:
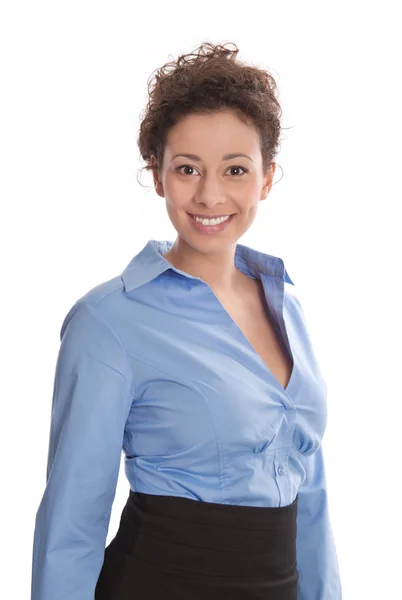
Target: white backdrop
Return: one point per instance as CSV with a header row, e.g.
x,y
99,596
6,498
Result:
x,y
74,82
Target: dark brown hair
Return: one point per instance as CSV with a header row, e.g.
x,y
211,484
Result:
x,y
209,79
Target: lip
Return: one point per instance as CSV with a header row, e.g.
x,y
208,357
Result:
x,y
211,216
210,229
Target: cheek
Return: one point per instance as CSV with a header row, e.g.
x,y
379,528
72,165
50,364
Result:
x,y
251,210
175,209
246,192
177,190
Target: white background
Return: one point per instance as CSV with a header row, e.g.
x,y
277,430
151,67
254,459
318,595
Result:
x,y
74,82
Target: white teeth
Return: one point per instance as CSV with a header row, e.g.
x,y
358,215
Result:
x,y
211,221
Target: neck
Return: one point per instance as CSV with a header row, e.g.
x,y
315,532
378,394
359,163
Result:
x,y
217,269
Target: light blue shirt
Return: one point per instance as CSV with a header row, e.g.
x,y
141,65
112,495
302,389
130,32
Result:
x,y
151,363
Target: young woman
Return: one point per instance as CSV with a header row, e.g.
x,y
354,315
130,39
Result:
x,y
196,361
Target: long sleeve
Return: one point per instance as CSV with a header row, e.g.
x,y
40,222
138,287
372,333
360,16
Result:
x,y
92,398
317,562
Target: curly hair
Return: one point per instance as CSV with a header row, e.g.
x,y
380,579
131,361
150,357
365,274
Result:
x,y
207,80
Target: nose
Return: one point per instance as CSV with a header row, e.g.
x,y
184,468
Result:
x,y
209,192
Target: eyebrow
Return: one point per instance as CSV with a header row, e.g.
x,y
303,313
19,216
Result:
x,y
225,157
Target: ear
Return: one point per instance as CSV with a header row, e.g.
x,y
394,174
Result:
x,y
269,176
157,182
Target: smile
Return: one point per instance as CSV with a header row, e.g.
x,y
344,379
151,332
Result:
x,y
213,225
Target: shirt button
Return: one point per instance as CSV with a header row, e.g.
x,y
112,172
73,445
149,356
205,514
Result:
x,y
281,470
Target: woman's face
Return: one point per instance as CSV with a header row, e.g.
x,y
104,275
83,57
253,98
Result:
x,y
209,183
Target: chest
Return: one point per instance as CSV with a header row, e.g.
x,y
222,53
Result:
x,y
252,317
212,398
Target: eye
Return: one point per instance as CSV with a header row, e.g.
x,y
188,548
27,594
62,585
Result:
x,y
239,167
232,167
184,166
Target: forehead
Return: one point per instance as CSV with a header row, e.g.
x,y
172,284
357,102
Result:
x,y
216,132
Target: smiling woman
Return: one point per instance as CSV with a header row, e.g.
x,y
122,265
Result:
x,y
196,361
223,116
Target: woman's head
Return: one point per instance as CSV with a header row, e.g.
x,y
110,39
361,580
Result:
x,y
208,104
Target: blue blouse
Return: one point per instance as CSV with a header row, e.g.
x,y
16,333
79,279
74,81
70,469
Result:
x,y
151,363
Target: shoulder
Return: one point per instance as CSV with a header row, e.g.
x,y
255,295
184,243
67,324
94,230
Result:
x,y
99,303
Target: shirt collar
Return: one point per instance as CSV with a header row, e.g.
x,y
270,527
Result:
x,y
149,263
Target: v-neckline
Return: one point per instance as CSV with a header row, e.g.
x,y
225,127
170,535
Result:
x,y
286,340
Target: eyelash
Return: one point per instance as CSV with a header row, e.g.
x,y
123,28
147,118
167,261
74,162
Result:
x,y
231,167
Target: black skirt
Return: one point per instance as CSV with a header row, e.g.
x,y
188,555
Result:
x,y
168,547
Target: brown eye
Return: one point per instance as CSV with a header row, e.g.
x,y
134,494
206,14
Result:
x,y
185,167
239,167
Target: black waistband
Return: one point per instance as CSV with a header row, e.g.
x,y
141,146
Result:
x,y
210,513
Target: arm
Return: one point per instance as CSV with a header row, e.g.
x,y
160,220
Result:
x,y
92,397
317,562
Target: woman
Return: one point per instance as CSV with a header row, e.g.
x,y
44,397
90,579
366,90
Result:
x,y
197,362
